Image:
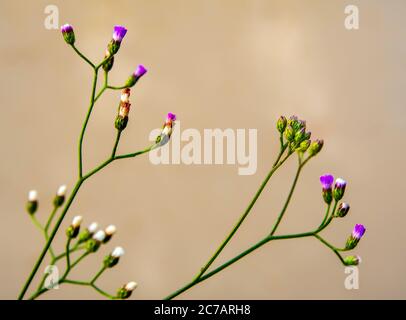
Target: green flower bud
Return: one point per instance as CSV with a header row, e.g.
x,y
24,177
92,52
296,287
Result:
x,y
352,260
281,124
315,147
299,135
342,210
60,196
304,145
289,133
108,65
68,34
121,123
126,291
32,203
92,245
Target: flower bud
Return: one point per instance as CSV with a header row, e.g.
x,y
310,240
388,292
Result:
x,y
112,259
32,203
352,260
342,210
355,237
108,65
289,133
326,183
60,196
281,124
94,243
167,129
68,34
137,74
88,233
126,291
304,145
339,189
299,135
109,231
123,110
315,147
118,35
73,229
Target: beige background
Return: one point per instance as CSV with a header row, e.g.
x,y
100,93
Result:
x,y
216,64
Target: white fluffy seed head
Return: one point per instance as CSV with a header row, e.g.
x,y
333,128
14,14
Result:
x,y
77,220
33,195
99,235
92,227
130,286
117,252
61,191
110,230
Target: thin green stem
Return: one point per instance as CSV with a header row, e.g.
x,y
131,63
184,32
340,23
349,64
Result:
x,y
84,255
333,248
103,292
68,266
326,215
285,206
80,283
98,274
82,133
44,232
275,166
83,56
51,217
113,153
116,88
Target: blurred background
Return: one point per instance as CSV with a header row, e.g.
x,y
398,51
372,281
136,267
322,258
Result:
x,y
216,64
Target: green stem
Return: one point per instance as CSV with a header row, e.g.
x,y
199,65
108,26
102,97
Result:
x,y
334,249
98,274
113,153
82,133
285,206
83,56
68,266
275,166
102,292
51,217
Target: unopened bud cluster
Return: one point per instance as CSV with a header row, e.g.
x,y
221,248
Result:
x,y
298,139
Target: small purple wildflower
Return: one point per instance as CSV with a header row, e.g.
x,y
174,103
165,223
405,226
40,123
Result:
x,y
326,181
119,33
140,71
66,28
358,231
171,116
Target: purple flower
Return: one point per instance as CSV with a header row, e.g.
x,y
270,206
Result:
x,y
119,33
66,28
358,231
140,71
326,181
68,34
171,116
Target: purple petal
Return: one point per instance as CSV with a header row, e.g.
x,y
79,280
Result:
x,y
340,183
140,71
66,28
119,33
171,116
358,231
326,181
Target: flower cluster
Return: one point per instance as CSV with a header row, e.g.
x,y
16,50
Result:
x,y
298,139
337,193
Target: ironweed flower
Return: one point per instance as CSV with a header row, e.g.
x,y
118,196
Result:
x,y
68,34
93,244
88,233
73,229
118,35
60,196
108,65
32,203
136,75
339,189
167,129
352,260
315,147
126,291
112,259
109,231
123,110
326,183
357,233
281,124
342,210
